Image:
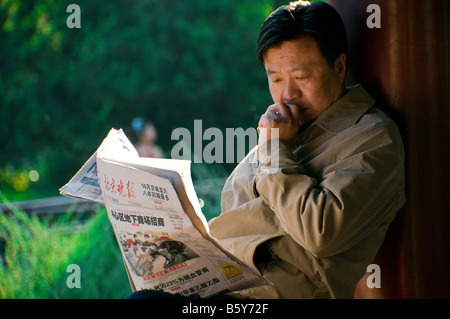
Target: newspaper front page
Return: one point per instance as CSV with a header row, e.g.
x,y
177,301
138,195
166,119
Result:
x,y
157,220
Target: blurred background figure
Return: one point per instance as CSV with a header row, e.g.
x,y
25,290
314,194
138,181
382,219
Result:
x,y
145,136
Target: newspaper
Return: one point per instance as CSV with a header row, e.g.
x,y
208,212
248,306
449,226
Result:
x,y
158,223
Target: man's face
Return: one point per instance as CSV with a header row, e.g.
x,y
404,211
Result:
x,y
300,77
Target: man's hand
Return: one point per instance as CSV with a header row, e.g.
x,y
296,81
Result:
x,y
281,116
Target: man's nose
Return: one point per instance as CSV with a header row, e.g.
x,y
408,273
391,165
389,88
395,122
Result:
x,y
291,91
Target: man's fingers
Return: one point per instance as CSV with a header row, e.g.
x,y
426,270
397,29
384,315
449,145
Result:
x,y
265,119
273,115
281,110
278,116
286,112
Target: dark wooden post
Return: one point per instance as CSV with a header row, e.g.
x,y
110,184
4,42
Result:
x,y
405,64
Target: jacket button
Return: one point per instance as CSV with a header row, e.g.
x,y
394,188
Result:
x,y
255,164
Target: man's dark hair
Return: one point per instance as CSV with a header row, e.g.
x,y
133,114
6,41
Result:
x,y
318,19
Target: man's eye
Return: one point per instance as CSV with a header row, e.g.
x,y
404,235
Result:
x,y
276,80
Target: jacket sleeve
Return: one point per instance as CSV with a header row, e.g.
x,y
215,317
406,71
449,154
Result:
x,y
330,213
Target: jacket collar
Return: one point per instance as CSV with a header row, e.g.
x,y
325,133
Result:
x,y
346,111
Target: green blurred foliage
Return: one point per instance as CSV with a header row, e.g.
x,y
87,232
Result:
x,y
38,252
61,89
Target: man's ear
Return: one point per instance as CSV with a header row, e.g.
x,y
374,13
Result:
x,y
340,66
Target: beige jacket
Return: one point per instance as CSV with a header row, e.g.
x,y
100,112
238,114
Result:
x,y
319,220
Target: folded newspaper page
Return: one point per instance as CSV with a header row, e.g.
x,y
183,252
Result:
x,y
158,223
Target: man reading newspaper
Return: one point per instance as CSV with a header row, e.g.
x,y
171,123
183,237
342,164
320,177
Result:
x,y
308,217
156,217
314,224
